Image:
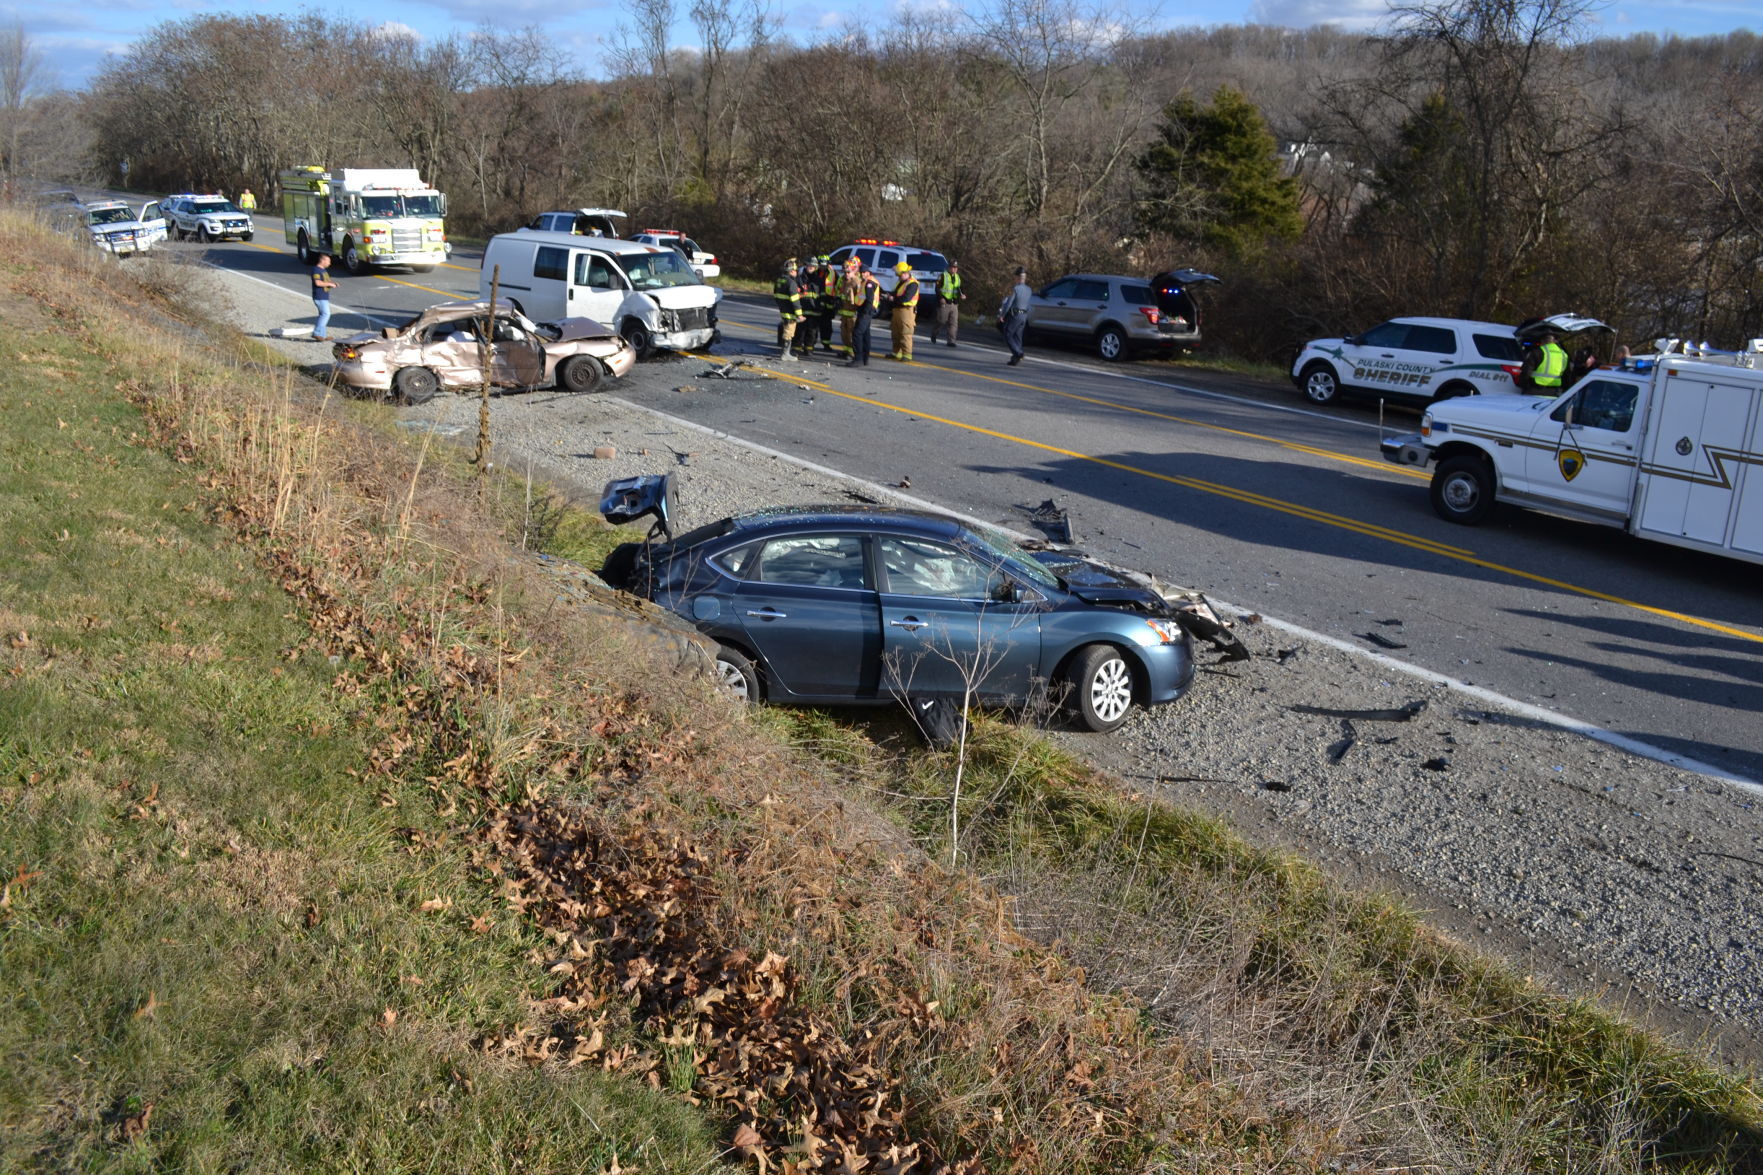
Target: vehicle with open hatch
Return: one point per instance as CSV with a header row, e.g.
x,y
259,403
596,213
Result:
x,y
207,217
122,229
703,261
647,293
1423,360
447,345
1117,315
871,605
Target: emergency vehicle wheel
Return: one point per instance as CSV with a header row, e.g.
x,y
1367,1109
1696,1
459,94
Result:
x,y
415,385
351,256
202,234
1463,490
1320,384
1454,390
1111,343
638,336
302,250
580,374
422,269
247,236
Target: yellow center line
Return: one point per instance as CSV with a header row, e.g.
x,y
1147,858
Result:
x,y
1354,525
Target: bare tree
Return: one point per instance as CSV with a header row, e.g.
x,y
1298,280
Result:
x,y
20,65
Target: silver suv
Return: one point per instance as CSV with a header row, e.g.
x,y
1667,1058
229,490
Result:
x,y
1118,315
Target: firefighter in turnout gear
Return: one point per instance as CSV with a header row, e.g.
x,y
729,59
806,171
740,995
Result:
x,y
851,296
788,296
949,298
905,319
826,301
808,282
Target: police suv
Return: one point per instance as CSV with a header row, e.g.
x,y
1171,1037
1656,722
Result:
x,y
205,217
882,256
1423,360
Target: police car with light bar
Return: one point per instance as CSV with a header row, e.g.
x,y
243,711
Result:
x,y
882,256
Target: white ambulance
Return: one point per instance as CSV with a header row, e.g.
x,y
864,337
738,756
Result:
x,y
1667,447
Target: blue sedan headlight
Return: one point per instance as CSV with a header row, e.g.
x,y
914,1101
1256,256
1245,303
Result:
x,y
1168,631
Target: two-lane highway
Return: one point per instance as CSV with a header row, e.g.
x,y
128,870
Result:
x,y
1232,486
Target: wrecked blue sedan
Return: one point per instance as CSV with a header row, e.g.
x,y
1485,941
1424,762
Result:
x,y
843,605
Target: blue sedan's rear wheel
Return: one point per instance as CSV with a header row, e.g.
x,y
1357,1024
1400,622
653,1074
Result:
x,y
1102,687
737,675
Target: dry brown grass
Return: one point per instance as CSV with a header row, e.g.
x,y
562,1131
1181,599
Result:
x,y
556,736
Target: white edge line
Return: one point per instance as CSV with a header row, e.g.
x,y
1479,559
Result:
x,y
373,318
1621,742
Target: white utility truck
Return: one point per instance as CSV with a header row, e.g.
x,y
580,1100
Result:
x,y
1667,447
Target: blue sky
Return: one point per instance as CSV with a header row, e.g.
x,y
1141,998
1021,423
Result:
x,y
74,39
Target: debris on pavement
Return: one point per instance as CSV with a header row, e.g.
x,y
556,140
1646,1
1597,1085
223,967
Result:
x,y
1401,715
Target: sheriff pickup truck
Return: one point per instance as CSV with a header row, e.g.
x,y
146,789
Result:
x,y
1667,447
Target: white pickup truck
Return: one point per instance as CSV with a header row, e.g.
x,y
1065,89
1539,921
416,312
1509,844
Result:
x,y
1667,447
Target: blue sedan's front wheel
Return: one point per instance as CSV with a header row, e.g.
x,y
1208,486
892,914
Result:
x,y
1102,687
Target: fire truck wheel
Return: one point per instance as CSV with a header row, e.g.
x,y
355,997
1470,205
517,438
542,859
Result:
x,y
303,250
415,385
351,256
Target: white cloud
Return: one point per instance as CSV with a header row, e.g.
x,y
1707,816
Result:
x,y
394,30
1357,15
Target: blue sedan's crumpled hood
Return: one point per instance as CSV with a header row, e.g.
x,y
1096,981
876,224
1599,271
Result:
x,y
1104,583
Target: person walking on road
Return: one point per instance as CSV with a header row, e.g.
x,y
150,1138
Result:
x,y
905,319
322,285
788,295
867,309
1013,314
949,299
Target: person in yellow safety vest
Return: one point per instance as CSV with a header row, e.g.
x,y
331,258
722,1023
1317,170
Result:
x,y
1544,368
949,299
905,319
247,202
788,296
851,295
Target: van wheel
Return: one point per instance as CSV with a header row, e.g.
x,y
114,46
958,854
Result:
x,y
580,374
415,385
1111,343
1102,687
1463,490
1320,384
640,338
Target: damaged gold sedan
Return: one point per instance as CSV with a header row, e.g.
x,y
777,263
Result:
x,y
453,344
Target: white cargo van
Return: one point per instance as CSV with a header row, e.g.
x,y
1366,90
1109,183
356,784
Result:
x,y
649,295
1667,447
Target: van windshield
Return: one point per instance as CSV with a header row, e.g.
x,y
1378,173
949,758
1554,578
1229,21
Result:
x,y
652,271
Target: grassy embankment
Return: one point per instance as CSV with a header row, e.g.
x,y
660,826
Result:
x,y
337,841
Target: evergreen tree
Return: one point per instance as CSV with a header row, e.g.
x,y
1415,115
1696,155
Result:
x,y
1214,177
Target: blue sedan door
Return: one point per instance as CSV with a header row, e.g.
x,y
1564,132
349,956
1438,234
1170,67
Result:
x,y
942,630
809,609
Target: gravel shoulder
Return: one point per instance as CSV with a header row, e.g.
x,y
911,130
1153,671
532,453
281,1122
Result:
x,y
1599,872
